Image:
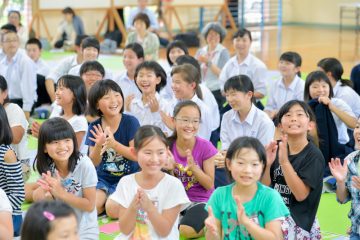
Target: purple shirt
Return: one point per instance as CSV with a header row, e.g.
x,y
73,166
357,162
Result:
x,y
202,151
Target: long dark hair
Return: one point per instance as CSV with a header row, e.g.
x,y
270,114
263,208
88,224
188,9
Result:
x,y
77,87
336,69
51,130
6,136
146,133
4,87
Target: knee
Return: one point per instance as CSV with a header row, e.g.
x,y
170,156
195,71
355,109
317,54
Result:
x,y
189,232
112,209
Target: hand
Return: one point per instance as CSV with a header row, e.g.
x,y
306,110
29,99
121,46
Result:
x,y
153,104
110,141
203,58
99,136
35,127
283,150
242,218
356,182
135,203
145,202
128,101
210,223
170,163
271,149
56,188
167,120
324,100
220,159
337,170
190,160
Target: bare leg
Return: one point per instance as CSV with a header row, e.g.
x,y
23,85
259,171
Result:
x,y
112,209
100,200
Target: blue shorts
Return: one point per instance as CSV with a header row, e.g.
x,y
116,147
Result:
x,y
107,187
17,221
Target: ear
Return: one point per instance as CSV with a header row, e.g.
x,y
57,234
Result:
x,y
228,163
158,80
193,85
311,126
133,151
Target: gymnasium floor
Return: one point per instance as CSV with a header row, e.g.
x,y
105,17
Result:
x,y
312,44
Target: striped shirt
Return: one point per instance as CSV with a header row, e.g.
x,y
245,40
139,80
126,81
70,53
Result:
x,y
354,214
11,180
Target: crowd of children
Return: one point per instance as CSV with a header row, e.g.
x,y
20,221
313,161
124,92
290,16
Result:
x,y
150,147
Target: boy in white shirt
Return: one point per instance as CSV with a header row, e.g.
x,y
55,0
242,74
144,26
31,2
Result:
x,y
33,49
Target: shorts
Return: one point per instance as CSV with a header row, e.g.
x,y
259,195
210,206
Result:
x,y
194,216
293,232
107,187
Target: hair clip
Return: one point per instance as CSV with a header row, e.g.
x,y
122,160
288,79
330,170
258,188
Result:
x,y
49,216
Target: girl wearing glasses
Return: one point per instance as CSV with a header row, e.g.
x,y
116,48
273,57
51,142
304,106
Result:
x,y
193,164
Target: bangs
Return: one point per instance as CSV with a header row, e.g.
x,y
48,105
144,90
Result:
x,y
59,133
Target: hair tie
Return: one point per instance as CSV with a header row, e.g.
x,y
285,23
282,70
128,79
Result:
x,y
49,216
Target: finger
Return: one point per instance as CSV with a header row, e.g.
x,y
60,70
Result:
x,y
210,212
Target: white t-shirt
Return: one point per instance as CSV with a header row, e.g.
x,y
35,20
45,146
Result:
x,y
16,117
159,195
5,205
78,123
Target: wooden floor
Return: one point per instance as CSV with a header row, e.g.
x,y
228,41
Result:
x,y
312,44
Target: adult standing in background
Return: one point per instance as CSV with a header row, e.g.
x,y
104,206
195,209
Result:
x,y
142,8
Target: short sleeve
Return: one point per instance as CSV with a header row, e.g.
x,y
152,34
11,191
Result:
x,y
312,168
89,176
132,126
89,135
123,194
208,149
178,194
275,206
215,203
16,116
79,124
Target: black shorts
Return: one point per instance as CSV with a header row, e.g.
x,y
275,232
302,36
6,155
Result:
x,y
194,216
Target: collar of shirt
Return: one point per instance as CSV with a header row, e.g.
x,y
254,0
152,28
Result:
x,y
292,85
246,62
5,61
336,87
249,118
140,104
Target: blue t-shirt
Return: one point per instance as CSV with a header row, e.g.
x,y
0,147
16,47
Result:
x,y
264,207
114,166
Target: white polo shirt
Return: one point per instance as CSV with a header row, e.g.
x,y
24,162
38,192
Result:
x,y
20,75
127,85
348,95
63,68
257,124
145,116
279,94
343,136
253,67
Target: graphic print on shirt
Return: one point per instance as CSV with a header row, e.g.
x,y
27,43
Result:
x,y
240,230
115,164
185,175
281,186
141,230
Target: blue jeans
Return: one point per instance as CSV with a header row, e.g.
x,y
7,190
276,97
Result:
x,y
354,236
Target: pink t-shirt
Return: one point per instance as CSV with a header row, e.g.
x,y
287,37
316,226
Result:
x,y
202,151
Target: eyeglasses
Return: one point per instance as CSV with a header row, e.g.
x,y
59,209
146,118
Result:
x,y
10,41
187,121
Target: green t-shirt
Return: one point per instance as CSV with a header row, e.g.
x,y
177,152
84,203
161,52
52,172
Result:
x,y
266,206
